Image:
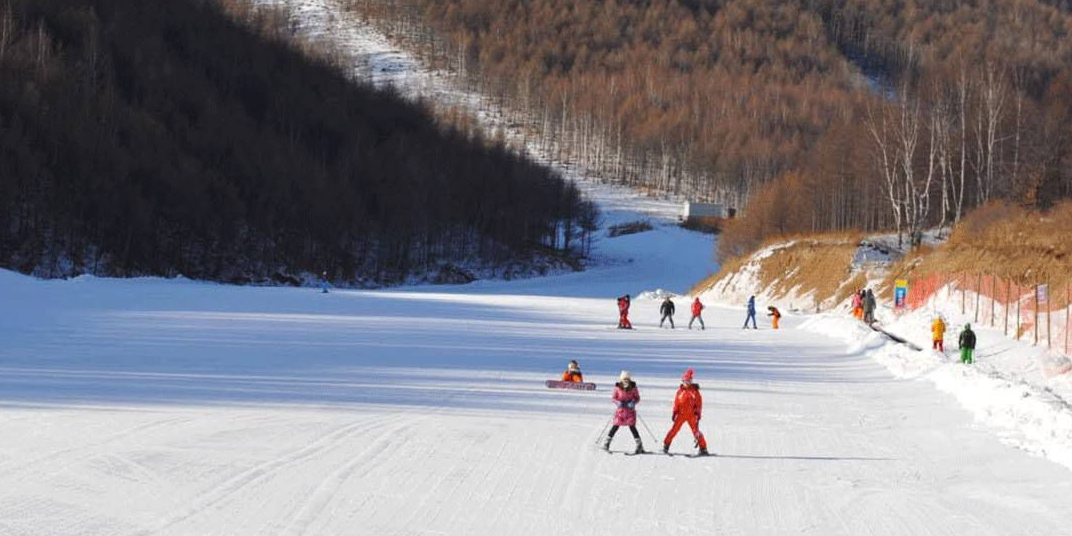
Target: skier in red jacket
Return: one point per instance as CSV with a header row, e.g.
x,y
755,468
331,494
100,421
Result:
x,y
623,313
688,406
697,308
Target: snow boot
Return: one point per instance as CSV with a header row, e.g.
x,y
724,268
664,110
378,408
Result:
x,y
639,447
703,452
606,443
666,448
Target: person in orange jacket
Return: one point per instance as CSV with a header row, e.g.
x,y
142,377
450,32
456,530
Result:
x,y
697,308
573,372
938,334
775,315
688,406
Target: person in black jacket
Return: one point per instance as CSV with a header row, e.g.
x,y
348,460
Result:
x,y
869,307
667,310
967,345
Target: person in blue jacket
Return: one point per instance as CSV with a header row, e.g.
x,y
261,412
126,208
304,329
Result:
x,y
751,313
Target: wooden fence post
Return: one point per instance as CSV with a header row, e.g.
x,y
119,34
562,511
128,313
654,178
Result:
x,y
1019,298
1005,305
963,307
1049,300
993,296
1036,315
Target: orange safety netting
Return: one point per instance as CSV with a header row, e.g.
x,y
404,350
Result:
x,y
1040,314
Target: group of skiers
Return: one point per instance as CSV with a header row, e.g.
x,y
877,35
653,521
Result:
x,y
863,306
688,407
966,340
667,310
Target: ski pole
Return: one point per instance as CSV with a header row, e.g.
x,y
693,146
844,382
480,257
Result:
x,y
604,430
642,421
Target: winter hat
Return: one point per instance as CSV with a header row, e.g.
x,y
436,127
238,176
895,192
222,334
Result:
x,y
573,365
967,326
625,375
687,376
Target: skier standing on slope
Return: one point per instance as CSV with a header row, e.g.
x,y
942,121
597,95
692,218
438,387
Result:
x,y
967,345
858,304
573,373
751,313
869,307
626,396
697,309
775,315
667,310
938,334
324,283
623,313
688,406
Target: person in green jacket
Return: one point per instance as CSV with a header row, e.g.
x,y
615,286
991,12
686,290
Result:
x,y
967,345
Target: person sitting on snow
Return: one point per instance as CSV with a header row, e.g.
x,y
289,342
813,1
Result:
x,y
688,406
573,373
938,334
967,345
623,313
667,310
775,315
626,396
697,309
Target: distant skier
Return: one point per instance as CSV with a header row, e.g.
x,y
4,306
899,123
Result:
x,y
688,407
967,345
938,334
573,373
869,307
667,310
751,313
697,309
324,283
626,396
858,304
623,313
775,315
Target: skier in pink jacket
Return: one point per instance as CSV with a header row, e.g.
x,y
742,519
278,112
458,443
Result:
x,y
626,396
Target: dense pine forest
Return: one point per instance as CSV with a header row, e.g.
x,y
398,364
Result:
x,y
808,115
193,137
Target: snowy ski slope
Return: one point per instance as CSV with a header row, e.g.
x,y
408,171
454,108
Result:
x,y
172,407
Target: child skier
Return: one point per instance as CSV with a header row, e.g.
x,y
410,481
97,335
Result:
x,y
688,405
573,372
938,334
967,345
697,308
667,310
626,396
623,313
751,313
775,315
858,304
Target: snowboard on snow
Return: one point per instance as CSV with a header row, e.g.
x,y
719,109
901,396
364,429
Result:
x,y
577,386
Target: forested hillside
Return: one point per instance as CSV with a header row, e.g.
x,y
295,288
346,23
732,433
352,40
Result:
x,y
193,137
819,114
